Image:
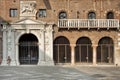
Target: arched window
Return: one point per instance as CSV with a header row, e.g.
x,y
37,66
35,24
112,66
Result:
x,y
91,15
62,15
110,15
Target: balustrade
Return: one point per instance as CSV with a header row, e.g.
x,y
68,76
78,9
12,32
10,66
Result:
x,y
88,23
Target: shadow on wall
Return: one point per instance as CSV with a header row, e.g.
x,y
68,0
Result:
x,y
47,4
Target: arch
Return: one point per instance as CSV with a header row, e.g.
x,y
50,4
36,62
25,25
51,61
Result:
x,y
105,50
106,40
17,43
28,37
62,15
62,50
28,49
83,50
91,15
83,40
111,10
22,33
61,40
110,15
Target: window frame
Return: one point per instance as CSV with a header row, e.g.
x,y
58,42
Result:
x,y
63,14
108,15
91,15
13,12
42,13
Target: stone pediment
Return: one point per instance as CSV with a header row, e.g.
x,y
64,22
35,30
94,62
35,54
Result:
x,y
29,21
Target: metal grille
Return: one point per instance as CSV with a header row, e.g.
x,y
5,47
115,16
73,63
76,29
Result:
x,y
83,53
105,53
28,53
62,53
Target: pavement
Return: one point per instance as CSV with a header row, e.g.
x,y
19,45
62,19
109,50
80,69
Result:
x,y
59,73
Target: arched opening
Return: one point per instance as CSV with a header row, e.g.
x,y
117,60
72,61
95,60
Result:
x,y
110,15
62,50
83,50
28,49
63,15
91,15
105,50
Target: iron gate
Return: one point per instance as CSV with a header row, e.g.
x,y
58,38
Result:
x,y
105,53
62,53
28,52
83,53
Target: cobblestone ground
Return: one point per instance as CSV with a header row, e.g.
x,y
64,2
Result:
x,y
59,73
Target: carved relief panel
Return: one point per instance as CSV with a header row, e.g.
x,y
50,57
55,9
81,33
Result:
x,y
27,8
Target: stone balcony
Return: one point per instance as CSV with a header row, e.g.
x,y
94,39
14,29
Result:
x,y
88,23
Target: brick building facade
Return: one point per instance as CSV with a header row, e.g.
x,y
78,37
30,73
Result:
x,y
49,32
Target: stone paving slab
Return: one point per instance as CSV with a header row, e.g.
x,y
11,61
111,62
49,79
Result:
x,y
101,73
59,73
42,73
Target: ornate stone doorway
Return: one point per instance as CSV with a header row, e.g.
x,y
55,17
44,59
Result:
x,y
28,49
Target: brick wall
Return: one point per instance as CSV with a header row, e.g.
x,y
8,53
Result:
x,y
100,7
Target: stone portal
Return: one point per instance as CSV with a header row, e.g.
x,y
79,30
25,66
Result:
x,y
28,41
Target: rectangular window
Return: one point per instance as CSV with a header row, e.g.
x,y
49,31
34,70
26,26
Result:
x,y
42,13
13,13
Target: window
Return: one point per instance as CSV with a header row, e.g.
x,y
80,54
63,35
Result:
x,y
62,15
91,15
110,15
13,13
42,13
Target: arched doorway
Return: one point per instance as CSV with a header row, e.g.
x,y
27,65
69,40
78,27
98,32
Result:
x,y
28,49
105,50
62,51
83,50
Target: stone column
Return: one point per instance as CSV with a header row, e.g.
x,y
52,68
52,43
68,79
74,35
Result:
x,y
72,54
9,46
4,60
116,59
13,60
17,54
94,54
42,48
50,46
